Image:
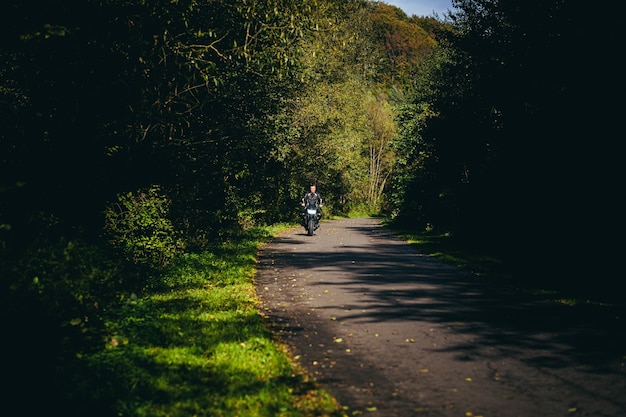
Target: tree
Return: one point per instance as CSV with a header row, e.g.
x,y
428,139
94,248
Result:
x,y
381,155
511,139
404,41
105,99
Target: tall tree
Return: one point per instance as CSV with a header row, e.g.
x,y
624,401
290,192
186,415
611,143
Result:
x,y
404,41
511,138
381,155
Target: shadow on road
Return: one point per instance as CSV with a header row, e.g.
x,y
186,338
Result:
x,y
378,280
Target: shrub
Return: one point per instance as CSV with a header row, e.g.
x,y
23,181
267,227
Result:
x,y
138,226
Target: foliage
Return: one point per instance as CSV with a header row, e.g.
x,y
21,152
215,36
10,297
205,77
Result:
x,y
403,41
381,156
196,346
415,189
54,294
338,129
139,227
331,123
509,142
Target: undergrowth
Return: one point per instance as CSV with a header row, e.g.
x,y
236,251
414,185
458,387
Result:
x,y
195,344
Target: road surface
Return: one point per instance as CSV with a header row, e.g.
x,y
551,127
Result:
x,y
392,332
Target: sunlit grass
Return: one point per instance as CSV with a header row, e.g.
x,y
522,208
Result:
x,y
196,345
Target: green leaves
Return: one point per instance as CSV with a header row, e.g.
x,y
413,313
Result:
x,y
139,227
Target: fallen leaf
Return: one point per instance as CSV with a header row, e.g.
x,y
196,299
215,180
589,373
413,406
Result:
x,y
338,340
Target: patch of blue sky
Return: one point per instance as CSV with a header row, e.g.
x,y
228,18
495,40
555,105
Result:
x,y
423,7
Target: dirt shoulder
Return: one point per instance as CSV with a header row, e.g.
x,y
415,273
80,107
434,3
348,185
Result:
x,y
392,332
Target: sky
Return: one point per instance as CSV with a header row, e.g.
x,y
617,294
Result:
x,y
422,7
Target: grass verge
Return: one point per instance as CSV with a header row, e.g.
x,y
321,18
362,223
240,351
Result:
x,y
196,345
496,270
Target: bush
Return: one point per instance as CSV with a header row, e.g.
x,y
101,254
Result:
x,y
138,226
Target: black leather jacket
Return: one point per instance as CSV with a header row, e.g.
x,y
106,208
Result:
x,y
314,198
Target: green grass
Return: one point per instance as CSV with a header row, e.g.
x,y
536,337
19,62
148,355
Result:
x,y
443,247
196,345
495,269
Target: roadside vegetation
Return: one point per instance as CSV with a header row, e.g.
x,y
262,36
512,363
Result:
x,y
489,264
194,343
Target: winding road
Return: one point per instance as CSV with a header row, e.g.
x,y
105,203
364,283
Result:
x,y
389,331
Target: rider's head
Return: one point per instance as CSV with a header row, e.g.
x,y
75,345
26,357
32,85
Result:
x,y
313,188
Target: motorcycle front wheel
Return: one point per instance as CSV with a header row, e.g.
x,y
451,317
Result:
x,y
310,227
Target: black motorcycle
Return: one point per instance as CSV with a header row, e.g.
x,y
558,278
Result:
x,y
311,218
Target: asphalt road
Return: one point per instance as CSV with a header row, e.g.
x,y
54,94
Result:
x,y
392,332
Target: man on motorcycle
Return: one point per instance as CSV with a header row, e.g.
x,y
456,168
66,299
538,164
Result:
x,y
313,197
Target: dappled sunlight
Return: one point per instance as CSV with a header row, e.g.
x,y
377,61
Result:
x,y
359,298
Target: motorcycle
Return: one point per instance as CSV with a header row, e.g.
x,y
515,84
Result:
x,y
311,218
